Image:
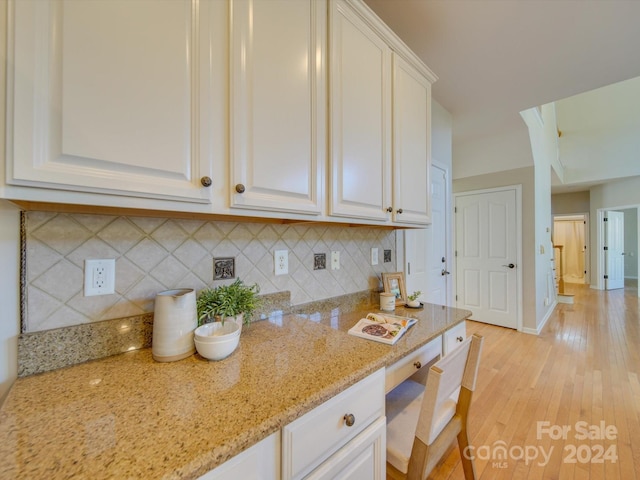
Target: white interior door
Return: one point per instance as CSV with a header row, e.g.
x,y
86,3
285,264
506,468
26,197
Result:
x,y
487,253
415,248
426,251
614,250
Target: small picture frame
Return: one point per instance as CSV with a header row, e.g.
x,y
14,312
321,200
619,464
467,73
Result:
x,y
394,283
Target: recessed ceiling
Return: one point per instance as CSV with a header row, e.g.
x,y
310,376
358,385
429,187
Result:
x,y
497,58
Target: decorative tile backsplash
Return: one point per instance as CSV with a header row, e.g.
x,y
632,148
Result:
x,y
156,254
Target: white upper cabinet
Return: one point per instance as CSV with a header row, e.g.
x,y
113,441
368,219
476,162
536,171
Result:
x,y
379,121
411,144
109,97
360,117
278,105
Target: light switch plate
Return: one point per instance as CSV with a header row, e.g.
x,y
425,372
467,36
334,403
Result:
x,y
374,256
335,260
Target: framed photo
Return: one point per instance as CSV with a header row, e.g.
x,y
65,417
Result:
x,y
394,283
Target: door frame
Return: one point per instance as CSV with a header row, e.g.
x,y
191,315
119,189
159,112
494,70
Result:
x,y
449,202
600,212
587,239
518,191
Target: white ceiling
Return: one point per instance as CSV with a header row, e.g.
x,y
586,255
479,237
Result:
x,y
495,58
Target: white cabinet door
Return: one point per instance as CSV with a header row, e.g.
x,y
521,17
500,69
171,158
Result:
x,y
364,458
453,337
411,144
278,134
109,97
261,461
360,117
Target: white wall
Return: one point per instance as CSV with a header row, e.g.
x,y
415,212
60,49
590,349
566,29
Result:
x,y
603,146
441,135
544,147
483,154
616,196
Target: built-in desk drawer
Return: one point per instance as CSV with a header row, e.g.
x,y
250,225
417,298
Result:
x,y
409,365
314,437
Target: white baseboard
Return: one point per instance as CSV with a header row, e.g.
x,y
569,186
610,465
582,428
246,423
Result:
x,y
536,331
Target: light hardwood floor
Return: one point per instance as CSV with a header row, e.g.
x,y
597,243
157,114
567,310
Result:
x,y
583,367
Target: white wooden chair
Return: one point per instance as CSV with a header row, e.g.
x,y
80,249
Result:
x,y
423,421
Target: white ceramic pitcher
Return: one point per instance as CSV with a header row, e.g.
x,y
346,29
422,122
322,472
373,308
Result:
x,y
174,320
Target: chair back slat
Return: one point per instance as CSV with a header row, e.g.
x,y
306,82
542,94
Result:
x,y
458,368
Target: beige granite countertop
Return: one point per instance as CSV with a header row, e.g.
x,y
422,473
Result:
x,y
127,416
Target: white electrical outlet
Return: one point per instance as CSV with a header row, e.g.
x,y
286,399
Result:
x,y
335,260
374,256
99,277
281,262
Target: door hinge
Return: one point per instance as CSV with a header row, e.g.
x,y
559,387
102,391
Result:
x,y
455,254
408,268
606,219
606,248
585,272
456,298
455,209
606,277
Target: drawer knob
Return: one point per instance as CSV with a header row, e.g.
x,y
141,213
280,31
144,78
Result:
x,y
240,188
389,209
349,419
399,210
460,339
206,181
418,365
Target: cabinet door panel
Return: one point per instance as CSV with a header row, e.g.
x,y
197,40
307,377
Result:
x,y
362,458
360,117
411,144
278,133
105,97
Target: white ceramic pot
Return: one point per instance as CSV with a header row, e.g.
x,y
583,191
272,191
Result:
x,y
174,320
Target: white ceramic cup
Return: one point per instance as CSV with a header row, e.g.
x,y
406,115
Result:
x,y
387,301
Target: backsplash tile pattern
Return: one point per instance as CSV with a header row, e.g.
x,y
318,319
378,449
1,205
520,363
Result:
x,y
155,254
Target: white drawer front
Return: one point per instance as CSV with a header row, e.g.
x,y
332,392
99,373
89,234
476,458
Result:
x,y
311,439
454,337
407,366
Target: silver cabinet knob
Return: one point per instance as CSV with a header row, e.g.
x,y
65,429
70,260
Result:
x,y
460,339
399,210
240,188
206,181
389,209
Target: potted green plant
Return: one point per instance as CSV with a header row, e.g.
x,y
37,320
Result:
x,y
412,300
236,301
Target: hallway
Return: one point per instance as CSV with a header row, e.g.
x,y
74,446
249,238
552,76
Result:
x,y
582,374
